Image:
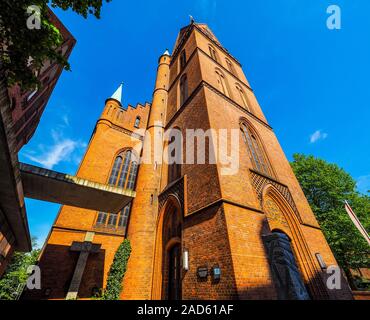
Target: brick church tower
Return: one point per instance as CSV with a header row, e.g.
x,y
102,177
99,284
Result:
x,y
196,230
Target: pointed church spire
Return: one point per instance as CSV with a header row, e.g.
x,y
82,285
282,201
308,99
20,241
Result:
x,y
191,19
166,53
118,94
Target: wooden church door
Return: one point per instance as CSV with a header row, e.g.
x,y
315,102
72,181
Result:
x,y
174,268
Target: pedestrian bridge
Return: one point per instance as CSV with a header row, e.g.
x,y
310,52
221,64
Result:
x,y
48,185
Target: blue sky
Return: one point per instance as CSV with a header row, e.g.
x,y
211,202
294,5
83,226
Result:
x,y
312,82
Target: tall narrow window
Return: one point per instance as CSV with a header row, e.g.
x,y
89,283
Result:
x,y
132,176
230,66
112,221
125,170
115,171
174,167
243,96
123,175
137,122
183,89
123,218
213,53
222,83
102,218
257,156
182,60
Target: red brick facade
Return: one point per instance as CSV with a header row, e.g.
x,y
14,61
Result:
x,y
20,116
27,107
220,220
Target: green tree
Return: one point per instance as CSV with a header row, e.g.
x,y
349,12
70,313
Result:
x,y
18,43
326,187
16,275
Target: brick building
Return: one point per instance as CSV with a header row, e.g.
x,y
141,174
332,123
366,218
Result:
x,y
195,232
28,106
19,117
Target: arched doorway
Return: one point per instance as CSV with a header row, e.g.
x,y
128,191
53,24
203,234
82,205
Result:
x,y
168,258
171,242
174,273
285,272
290,250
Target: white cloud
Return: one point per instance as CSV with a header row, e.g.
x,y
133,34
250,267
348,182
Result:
x,y
65,120
318,135
61,150
363,184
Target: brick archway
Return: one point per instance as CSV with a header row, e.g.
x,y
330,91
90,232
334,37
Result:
x,y
163,245
281,216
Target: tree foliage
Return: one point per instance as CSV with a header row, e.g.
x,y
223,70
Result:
x,y
326,187
117,272
18,43
16,275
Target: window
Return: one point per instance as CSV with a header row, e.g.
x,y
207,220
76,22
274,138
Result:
x,y
256,153
32,94
183,89
115,171
112,221
222,83
102,218
182,60
137,122
123,175
13,103
243,96
230,66
123,218
213,53
174,167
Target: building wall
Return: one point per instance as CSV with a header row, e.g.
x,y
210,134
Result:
x,y
206,236
27,106
243,215
20,118
223,217
7,242
112,134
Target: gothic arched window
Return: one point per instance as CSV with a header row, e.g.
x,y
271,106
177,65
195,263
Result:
x,y
230,66
137,122
255,150
123,175
243,96
213,53
183,89
182,60
175,150
222,84
124,170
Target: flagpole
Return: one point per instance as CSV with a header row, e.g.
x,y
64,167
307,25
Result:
x,y
356,222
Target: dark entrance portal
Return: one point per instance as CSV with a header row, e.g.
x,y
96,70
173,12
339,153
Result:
x,y
172,254
287,278
174,281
